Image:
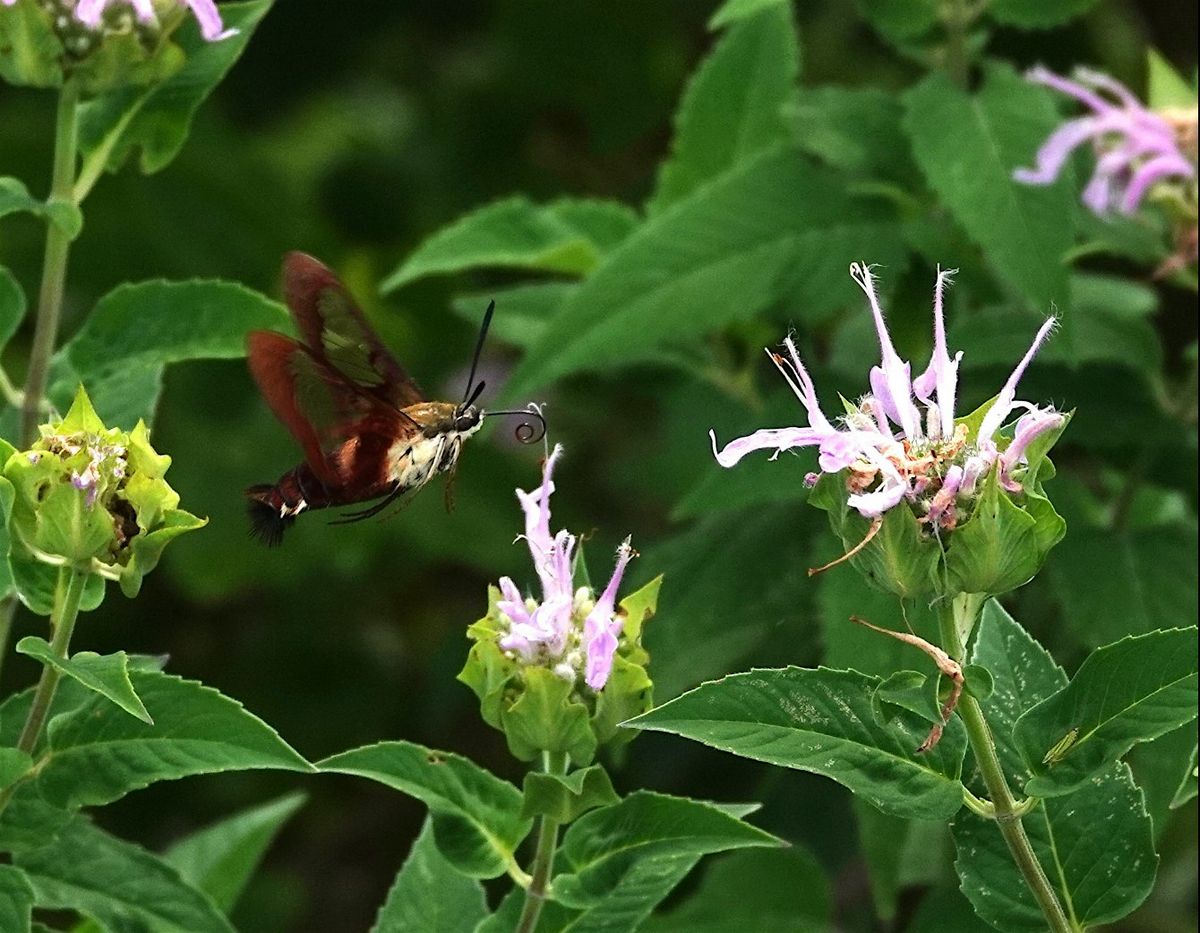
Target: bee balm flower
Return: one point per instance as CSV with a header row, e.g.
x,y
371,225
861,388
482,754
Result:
x,y
560,673
901,447
570,630
91,13
1136,148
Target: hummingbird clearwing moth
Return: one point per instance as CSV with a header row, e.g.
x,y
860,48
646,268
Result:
x,y
367,431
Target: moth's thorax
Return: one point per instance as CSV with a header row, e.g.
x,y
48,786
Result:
x,y
414,460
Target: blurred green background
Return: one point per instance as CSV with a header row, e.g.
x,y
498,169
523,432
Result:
x,y
353,131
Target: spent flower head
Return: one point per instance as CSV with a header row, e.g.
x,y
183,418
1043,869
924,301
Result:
x,y
558,670
1136,148
93,497
900,447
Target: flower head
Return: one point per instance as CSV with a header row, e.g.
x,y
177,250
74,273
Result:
x,y
91,13
1136,148
560,670
93,496
570,630
901,443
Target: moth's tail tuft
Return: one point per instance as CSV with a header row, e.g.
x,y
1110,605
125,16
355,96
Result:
x,y
266,523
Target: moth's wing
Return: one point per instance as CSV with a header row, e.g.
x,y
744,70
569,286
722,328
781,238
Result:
x,y
320,408
338,335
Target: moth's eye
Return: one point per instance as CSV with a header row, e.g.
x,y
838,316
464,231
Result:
x,y
467,420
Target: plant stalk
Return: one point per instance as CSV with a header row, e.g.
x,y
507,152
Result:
x,y
1007,811
956,17
67,594
543,859
54,262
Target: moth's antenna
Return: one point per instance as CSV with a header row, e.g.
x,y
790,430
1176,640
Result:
x,y
526,432
483,330
474,396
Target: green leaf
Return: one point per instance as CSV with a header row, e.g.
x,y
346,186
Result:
x,y
1187,786
901,23
567,236
1133,580
12,307
523,312
429,895
14,764
899,854
220,859
98,754
601,847
15,197
564,798
1099,876
16,900
107,674
136,330
1167,87
1037,14
822,721
733,10
968,147
476,815
732,106
118,883
155,120
1132,691
717,256
857,130
692,638
781,890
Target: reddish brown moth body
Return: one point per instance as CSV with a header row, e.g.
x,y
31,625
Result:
x,y
367,431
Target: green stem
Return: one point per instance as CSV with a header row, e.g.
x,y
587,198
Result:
x,y
956,17
54,263
67,594
8,608
1008,812
543,859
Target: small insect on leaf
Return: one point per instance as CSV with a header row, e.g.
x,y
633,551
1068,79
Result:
x,y
1058,751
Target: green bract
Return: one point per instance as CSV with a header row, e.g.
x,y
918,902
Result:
x,y
1000,541
92,497
540,711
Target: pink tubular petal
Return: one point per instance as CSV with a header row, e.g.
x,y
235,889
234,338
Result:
x,y
805,389
895,391
1054,152
777,439
209,19
1047,78
601,649
1004,401
1168,165
536,506
513,604
1030,427
842,448
600,627
1102,82
875,503
89,12
942,372
143,10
